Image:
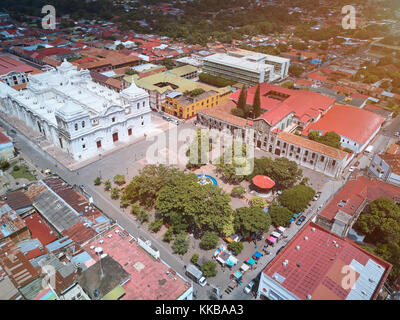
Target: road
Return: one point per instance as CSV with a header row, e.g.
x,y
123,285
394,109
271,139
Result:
x,y
110,166
130,158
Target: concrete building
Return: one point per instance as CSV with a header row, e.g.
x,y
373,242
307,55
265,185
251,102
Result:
x,y
160,84
247,67
343,210
76,114
356,127
311,267
284,111
386,166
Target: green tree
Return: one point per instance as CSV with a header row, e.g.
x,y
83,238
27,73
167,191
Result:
x,y
107,185
114,193
280,216
381,222
296,70
285,173
97,181
257,103
195,258
288,84
119,179
143,216
168,235
242,102
145,186
330,138
259,202
181,244
4,164
251,220
209,240
297,198
156,225
186,203
238,191
209,269
235,247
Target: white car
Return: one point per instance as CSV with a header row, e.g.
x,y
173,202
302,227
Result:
x,y
352,168
247,289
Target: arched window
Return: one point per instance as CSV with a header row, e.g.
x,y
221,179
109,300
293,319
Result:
x,y
76,126
83,124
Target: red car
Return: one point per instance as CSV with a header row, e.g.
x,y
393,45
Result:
x,y
357,164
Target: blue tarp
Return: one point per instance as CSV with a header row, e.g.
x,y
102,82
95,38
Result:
x,y
257,255
237,275
266,210
250,261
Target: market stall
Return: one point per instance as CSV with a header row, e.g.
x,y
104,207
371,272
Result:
x,y
257,255
271,240
244,267
237,275
250,261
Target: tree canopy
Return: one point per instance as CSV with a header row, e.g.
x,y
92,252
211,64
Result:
x,y
381,222
330,138
188,205
284,172
280,216
251,220
297,198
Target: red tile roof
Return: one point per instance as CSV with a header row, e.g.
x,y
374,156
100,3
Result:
x,y
304,104
348,121
355,192
4,138
40,229
315,265
8,64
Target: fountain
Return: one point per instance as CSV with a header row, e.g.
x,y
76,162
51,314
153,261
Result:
x,y
204,179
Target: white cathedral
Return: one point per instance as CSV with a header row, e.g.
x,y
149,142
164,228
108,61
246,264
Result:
x,y
76,114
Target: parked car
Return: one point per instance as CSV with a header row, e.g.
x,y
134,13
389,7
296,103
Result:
x,y
317,195
352,168
233,238
300,220
247,289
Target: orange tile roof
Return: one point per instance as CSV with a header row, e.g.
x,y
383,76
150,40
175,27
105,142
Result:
x,y
223,112
348,121
312,145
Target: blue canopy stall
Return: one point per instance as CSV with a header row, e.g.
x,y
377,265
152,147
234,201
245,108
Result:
x,y
257,255
250,261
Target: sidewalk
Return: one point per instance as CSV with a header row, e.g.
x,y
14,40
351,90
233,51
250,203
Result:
x,y
65,159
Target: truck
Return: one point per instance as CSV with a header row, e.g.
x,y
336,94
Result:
x,y
196,275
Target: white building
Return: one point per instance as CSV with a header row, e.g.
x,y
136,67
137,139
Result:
x,y
76,114
247,67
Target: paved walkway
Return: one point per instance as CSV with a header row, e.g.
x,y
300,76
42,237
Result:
x,y
65,159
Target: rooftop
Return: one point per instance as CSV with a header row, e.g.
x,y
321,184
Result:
x,y
311,267
149,279
40,229
348,121
223,112
352,195
279,102
392,158
10,221
312,145
96,285
16,265
8,65
18,200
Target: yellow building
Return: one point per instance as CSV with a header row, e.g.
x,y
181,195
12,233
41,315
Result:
x,y
185,105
